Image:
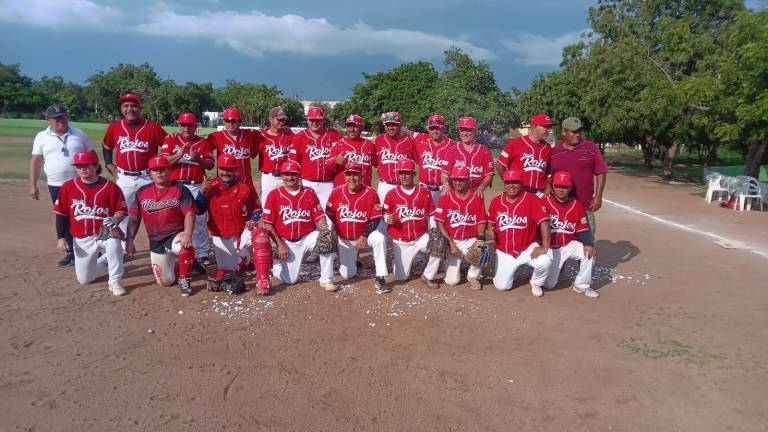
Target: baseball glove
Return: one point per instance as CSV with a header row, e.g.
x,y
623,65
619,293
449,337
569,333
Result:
x,y
479,254
109,229
437,246
327,242
231,283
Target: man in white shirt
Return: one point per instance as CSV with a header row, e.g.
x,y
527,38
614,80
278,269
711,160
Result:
x,y
53,149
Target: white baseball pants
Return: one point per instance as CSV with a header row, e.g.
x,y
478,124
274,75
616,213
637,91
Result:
x,y
130,185
268,184
88,263
200,240
506,265
453,264
323,191
348,255
574,249
403,254
229,251
164,265
382,190
288,270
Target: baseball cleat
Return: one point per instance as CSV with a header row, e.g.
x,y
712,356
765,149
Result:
x,y
117,288
381,285
67,261
185,287
536,290
474,283
198,267
589,292
429,283
329,286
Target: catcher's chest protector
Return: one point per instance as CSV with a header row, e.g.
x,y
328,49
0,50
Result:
x,y
229,208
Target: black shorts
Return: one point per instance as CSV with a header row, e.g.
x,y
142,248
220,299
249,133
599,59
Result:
x,y
160,246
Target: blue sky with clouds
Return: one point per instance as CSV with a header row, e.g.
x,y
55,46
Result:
x,y
313,50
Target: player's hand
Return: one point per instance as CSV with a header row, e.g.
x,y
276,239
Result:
x,y
250,225
340,159
186,239
547,190
112,170
130,248
597,202
62,245
454,249
361,242
590,252
539,250
282,251
34,192
389,219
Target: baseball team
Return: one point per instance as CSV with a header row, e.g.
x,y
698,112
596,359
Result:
x,y
317,201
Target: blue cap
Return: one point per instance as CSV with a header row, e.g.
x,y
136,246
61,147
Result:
x,y
55,111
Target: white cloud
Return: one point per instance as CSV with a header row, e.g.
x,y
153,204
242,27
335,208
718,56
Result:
x,y
255,33
536,50
57,14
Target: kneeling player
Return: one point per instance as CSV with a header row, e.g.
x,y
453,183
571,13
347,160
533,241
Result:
x,y
94,207
235,211
168,210
292,213
571,237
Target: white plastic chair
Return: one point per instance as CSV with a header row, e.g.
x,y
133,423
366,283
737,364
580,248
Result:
x,y
716,186
748,190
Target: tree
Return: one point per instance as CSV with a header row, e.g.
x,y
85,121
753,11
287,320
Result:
x,y
105,88
17,91
253,100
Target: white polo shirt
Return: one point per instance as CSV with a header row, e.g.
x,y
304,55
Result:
x,y
59,151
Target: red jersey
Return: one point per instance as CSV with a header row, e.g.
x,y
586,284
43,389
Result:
x,y
389,151
358,150
163,211
293,215
531,158
134,145
244,146
566,220
515,223
313,154
461,216
410,212
353,210
86,205
479,160
434,158
274,149
185,168
230,207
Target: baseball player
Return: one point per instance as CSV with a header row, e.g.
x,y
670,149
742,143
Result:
x,y
473,155
355,211
236,141
353,148
311,148
273,150
515,215
435,152
292,215
391,146
168,211
408,209
189,156
461,218
89,202
571,236
135,140
530,154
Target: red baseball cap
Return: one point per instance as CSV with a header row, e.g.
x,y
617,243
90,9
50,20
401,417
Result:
x,y
511,175
290,166
159,162
187,118
315,113
226,161
85,158
129,97
354,119
231,113
467,123
405,165
391,117
541,120
353,167
435,121
460,172
562,178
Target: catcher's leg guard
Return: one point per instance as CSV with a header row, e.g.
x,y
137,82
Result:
x,y
186,258
262,258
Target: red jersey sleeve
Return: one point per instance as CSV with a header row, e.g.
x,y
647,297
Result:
x,y
296,147
376,210
168,144
61,206
492,210
270,211
332,203
582,224
487,162
187,202
538,210
506,153
314,203
479,209
118,200
440,210
109,137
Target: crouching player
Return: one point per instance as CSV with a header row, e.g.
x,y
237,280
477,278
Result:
x,y
94,207
571,236
168,210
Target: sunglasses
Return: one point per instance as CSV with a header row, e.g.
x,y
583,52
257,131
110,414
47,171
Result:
x,y
231,120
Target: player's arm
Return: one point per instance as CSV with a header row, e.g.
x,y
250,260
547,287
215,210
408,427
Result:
x,y
452,244
133,228
597,200
35,165
282,248
544,230
484,185
189,226
481,229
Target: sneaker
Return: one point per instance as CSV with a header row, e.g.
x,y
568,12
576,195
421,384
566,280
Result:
x,y
536,290
589,292
429,283
199,268
474,283
381,285
67,261
329,286
117,288
185,287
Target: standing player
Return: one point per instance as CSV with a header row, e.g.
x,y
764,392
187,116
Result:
x,y
530,155
168,211
235,141
189,156
472,155
311,148
353,148
136,140
273,150
391,146
515,216
355,212
407,210
292,214
571,237
89,202
435,152
461,218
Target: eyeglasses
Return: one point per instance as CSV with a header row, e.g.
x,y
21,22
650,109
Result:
x,y
231,120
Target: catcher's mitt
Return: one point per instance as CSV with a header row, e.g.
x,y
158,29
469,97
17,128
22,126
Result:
x,y
231,283
479,254
110,230
327,242
437,246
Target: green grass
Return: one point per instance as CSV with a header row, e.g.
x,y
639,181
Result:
x,y
670,348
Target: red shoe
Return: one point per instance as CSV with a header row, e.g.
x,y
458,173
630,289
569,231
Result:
x,y
263,287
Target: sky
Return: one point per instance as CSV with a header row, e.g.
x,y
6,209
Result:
x,y
310,50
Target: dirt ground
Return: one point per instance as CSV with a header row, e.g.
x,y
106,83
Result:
x,y
676,342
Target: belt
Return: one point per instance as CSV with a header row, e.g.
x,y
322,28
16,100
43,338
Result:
x,y
133,173
273,174
320,181
433,188
294,240
529,189
187,182
390,183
